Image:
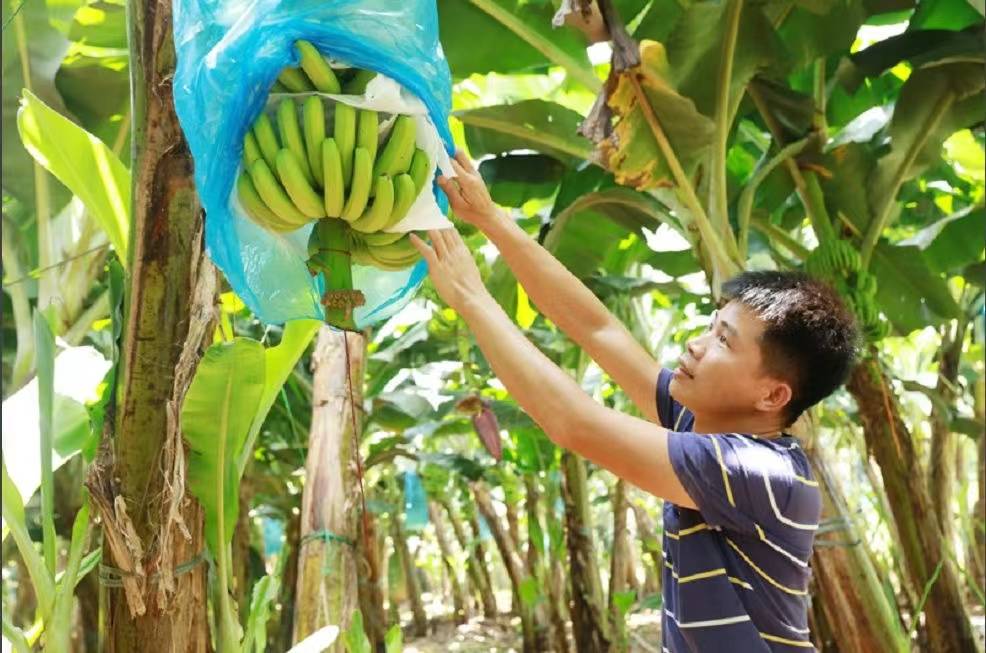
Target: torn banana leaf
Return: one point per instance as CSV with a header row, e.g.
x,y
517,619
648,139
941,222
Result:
x,y
631,151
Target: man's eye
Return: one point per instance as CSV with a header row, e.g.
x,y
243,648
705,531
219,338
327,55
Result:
x,y
722,339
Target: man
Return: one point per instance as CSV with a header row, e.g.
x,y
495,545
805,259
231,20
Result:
x,y
741,508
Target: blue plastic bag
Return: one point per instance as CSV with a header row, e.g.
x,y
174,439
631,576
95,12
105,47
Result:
x,y
229,54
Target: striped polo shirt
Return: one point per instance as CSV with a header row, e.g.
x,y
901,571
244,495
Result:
x,y
736,570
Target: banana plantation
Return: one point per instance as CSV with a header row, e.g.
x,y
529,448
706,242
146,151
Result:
x,y
192,463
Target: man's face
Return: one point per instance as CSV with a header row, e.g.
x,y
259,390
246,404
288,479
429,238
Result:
x,y
720,372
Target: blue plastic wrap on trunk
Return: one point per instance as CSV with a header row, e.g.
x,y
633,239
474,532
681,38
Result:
x,y
229,54
415,502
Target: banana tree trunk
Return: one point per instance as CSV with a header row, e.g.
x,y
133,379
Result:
x,y
372,548
241,547
978,544
944,448
891,445
419,618
459,607
848,589
535,563
482,560
512,562
281,638
589,616
327,590
651,546
618,562
150,526
476,578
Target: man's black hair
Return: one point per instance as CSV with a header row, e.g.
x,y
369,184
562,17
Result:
x,y
810,337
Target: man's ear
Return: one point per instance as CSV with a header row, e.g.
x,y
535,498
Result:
x,y
776,396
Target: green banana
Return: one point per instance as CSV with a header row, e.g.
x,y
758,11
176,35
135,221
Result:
x,y
313,119
345,135
263,130
287,124
251,151
255,207
404,196
357,85
377,215
298,188
278,87
419,169
359,192
360,253
380,238
295,81
396,155
396,256
317,68
273,194
335,190
366,131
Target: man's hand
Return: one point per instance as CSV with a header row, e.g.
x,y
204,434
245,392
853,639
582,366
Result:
x,y
451,267
468,195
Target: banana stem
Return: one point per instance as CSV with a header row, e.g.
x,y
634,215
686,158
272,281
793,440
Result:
x,y
24,359
334,251
775,233
722,262
819,215
821,96
881,215
47,285
789,163
718,201
745,205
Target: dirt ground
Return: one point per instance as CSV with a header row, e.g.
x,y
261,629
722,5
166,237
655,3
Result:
x,y
480,635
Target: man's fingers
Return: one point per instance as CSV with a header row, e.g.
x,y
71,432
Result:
x,y
427,252
463,160
459,169
448,184
437,243
445,237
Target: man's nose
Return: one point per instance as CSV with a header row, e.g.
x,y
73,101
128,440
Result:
x,y
695,348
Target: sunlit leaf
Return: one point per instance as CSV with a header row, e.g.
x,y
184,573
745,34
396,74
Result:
x,y
83,163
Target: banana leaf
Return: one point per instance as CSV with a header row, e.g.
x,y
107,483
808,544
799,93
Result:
x,y
83,163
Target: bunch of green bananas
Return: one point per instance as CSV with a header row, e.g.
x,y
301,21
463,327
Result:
x,y
839,263
299,172
832,260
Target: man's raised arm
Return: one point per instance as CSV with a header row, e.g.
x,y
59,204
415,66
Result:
x,y
558,294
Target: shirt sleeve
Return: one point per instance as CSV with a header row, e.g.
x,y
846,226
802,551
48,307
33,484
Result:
x,y
745,486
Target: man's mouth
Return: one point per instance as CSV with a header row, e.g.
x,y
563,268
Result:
x,y
684,371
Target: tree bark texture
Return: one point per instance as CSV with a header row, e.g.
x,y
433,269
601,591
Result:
x,y
150,526
891,445
590,621
511,561
459,607
327,592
